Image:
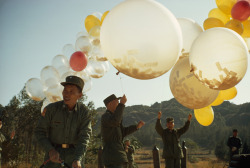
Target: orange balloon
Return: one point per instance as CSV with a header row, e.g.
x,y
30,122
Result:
x,y
225,5
205,116
212,22
91,21
246,31
217,13
235,25
103,16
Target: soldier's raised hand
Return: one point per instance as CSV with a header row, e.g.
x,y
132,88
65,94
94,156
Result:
x,y
189,117
140,124
159,115
123,99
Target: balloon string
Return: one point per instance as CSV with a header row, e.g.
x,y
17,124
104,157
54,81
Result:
x,y
118,73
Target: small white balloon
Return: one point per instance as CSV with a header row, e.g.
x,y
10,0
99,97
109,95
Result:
x,y
34,89
49,76
68,50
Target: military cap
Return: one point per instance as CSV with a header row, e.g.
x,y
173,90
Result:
x,y
74,80
110,98
170,119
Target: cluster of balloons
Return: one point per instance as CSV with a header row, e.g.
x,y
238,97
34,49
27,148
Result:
x,y
216,61
86,60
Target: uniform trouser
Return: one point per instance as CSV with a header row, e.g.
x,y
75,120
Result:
x,y
125,165
173,163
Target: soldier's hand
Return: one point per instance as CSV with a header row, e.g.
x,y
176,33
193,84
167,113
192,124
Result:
x,y
12,134
123,99
54,156
189,117
140,124
76,164
159,115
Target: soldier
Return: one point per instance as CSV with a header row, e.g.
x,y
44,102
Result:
x,y
130,150
234,143
2,139
113,132
64,128
172,151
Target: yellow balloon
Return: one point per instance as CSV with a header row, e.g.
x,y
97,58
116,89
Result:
x,y
219,100
217,13
246,25
204,116
235,25
225,5
91,21
228,94
212,22
103,16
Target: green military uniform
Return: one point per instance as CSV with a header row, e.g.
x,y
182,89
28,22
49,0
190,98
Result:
x,y
113,132
130,156
2,139
60,126
172,151
234,142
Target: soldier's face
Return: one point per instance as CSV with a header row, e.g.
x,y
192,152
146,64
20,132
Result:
x,y
113,104
170,125
70,95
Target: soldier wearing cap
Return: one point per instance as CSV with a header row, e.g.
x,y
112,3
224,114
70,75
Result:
x,y
130,150
172,151
234,143
64,128
113,132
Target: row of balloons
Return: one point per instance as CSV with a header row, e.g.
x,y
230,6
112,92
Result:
x,y
86,60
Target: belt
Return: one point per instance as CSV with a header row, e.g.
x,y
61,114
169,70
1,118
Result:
x,y
65,146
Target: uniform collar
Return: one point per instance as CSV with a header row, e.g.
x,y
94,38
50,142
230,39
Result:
x,y
65,107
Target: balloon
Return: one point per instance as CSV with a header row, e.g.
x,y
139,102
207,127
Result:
x,y
94,35
225,5
49,76
187,89
244,0
68,50
91,21
96,69
45,103
241,11
246,31
235,25
247,40
217,13
212,22
54,93
103,16
218,101
98,15
69,73
61,63
218,58
87,80
190,30
34,89
139,43
78,61
204,116
79,34
97,54
83,44
229,93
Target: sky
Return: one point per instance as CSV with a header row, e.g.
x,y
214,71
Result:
x,y
32,33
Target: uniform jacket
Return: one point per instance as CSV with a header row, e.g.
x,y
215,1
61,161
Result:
x,y
59,126
171,140
130,153
113,132
234,142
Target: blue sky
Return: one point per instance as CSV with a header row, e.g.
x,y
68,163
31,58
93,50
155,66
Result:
x,y
33,32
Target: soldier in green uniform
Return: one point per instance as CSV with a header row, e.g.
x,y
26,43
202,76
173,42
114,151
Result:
x,y
113,132
234,143
130,150
172,151
64,128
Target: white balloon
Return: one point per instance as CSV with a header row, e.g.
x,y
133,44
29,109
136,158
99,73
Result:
x,y
34,89
218,58
61,63
141,38
68,50
49,76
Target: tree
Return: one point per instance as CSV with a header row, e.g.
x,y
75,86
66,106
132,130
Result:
x,y
221,150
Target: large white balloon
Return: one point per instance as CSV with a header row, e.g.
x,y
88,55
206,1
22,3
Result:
x,y
190,31
218,58
141,38
34,89
187,89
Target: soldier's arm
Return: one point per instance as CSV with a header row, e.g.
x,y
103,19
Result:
x,y
128,130
83,137
115,119
184,129
42,129
158,127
